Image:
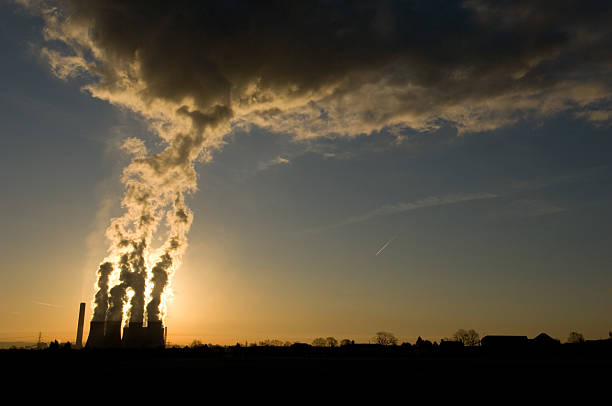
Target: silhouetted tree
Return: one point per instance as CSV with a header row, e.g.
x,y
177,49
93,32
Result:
x,y
423,344
196,344
467,337
319,342
575,338
332,342
271,343
346,341
385,338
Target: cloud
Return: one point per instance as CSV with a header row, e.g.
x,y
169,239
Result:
x,y
431,201
320,68
600,117
522,207
528,208
135,147
402,207
279,160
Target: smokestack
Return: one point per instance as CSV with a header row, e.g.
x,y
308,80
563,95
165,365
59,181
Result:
x,y
134,335
96,335
112,336
79,337
155,335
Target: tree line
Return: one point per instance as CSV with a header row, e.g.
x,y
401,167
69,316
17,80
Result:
x,y
468,338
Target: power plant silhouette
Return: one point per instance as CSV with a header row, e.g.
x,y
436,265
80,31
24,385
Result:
x,y
108,334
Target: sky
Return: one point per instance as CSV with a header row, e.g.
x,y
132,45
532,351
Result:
x,y
341,170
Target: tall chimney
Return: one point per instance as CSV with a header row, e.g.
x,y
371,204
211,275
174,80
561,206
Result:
x,y
79,337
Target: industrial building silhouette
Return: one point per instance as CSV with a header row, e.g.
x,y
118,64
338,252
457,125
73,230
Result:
x,y
108,334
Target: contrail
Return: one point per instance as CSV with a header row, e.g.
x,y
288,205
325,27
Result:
x,y
45,304
385,246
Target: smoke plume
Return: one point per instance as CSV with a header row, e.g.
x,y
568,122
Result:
x,y
197,70
160,279
101,298
327,67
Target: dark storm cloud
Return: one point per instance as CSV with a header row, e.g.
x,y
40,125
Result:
x,y
478,64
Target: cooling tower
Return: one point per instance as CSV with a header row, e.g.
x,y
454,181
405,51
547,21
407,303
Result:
x,y
134,335
96,335
155,335
112,337
79,337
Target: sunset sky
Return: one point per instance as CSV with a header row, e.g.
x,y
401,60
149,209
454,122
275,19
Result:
x,y
409,167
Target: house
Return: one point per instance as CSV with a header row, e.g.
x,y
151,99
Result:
x,y
504,342
544,340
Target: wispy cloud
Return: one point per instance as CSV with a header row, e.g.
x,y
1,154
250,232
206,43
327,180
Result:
x,y
518,208
279,160
401,207
45,304
528,208
539,183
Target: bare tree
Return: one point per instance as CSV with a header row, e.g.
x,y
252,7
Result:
x,y
271,343
319,342
196,343
575,338
467,337
332,342
385,338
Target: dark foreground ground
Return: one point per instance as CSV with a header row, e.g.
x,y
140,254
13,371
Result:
x,y
579,371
